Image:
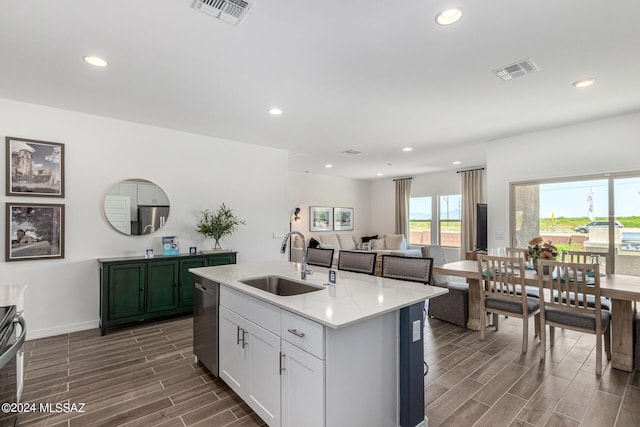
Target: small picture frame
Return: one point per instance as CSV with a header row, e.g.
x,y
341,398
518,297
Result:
x,y
170,245
34,231
193,250
343,219
320,218
148,253
34,168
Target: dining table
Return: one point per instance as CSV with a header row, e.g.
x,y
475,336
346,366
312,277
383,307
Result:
x,y
623,291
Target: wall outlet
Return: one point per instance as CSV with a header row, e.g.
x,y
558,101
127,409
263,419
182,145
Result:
x,y
278,235
416,330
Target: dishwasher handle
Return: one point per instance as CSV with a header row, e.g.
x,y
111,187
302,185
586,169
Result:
x,y
13,350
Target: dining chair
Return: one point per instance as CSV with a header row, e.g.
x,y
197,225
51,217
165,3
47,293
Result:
x,y
407,268
591,257
452,307
501,279
588,257
578,280
522,254
358,262
320,257
516,253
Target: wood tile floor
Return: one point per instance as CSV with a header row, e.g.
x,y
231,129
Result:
x,y
138,376
146,376
491,383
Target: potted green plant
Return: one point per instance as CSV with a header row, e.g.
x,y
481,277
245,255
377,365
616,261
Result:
x,y
219,224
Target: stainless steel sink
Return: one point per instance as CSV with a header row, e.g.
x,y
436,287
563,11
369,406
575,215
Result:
x,y
279,285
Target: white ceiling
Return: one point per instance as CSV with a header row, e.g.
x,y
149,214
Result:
x,y
368,75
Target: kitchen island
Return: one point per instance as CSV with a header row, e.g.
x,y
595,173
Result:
x,y
343,355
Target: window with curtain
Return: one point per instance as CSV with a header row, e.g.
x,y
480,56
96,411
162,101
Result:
x,y
420,219
596,214
450,220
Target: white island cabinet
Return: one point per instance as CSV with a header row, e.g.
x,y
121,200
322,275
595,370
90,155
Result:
x,y
328,358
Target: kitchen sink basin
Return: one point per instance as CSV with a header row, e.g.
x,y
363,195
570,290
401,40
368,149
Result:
x,y
279,285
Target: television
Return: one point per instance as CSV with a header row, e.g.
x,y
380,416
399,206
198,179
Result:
x,y
481,227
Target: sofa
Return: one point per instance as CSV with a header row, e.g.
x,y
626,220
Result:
x,y
390,244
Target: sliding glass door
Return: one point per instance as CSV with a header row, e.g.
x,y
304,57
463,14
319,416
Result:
x,y
627,232
586,214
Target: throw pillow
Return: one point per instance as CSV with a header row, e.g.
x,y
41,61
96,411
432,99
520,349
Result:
x,y
365,239
377,244
313,243
331,240
394,241
346,242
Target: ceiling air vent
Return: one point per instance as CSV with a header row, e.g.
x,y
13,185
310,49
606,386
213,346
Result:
x,y
352,152
518,69
231,11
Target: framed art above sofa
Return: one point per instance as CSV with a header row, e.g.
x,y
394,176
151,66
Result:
x,y
320,218
343,219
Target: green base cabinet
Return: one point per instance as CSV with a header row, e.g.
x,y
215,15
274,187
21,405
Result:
x,y
137,288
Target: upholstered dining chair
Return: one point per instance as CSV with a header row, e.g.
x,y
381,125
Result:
x,y
516,253
358,262
576,280
501,279
407,268
320,257
452,307
590,257
522,254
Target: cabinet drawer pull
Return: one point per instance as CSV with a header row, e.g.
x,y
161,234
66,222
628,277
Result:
x,y
238,335
244,339
296,333
282,362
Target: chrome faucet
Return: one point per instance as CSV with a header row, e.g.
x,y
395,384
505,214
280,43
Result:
x,y
305,270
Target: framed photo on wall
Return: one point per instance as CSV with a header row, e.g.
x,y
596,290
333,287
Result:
x,y
343,219
320,218
34,231
34,168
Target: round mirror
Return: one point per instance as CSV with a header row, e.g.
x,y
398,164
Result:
x,y
136,207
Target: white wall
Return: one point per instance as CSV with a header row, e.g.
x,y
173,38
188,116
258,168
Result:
x,y
196,172
602,146
306,189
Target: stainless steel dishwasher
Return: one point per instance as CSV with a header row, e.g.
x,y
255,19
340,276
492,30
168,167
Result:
x,y
206,300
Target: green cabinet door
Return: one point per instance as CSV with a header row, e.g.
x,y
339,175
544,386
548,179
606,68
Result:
x,y
126,290
162,286
186,280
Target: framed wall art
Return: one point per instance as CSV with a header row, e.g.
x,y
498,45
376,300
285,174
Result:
x,y
343,219
320,218
34,168
34,231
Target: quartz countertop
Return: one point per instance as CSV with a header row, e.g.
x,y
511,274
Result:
x,y
355,296
10,294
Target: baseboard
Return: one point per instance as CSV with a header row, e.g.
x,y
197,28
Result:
x,y
60,330
424,423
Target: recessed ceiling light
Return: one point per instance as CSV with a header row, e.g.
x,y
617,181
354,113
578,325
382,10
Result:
x,y
457,162
584,82
407,149
328,166
96,61
379,174
275,111
449,16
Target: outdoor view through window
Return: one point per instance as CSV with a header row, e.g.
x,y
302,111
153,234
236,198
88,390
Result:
x,y
448,222
578,214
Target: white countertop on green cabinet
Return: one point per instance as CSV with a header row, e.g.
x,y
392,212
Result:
x,y
354,298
